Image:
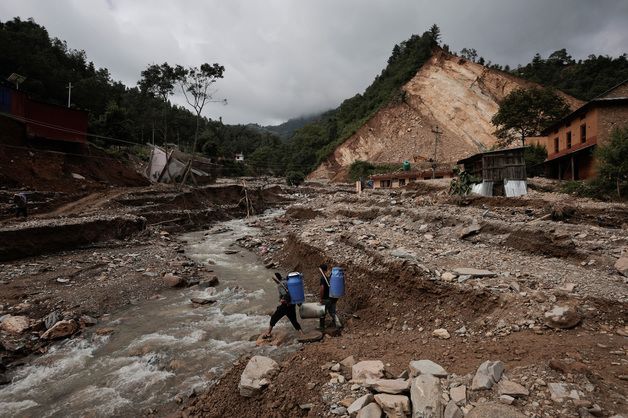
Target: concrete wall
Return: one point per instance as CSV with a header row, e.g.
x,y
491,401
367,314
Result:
x,y
610,118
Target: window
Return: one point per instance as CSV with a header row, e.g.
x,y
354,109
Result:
x,y
402,182
568,140
583,133
555,144
384,183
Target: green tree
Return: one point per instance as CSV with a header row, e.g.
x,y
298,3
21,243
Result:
x,y
526,112
469,53
613,158
159,81
434,34
534,156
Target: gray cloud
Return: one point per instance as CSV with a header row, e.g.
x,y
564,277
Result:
x,y
287,58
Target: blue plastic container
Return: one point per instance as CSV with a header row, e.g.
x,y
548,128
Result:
x,y
295,288
337,283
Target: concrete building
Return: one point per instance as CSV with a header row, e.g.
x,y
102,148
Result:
x,y
571,141
402,178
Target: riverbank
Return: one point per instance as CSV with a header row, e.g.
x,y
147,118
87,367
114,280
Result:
x,y
458,282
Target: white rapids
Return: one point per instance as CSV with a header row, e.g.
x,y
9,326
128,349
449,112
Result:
x,y
160,349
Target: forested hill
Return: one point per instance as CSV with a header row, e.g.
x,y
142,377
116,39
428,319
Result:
x,y
583,79
132,115
115,110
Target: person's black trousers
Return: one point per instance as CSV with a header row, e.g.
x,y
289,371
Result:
x,y
286,310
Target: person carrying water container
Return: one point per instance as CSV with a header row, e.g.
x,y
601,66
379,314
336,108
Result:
x,y
285,308
325,299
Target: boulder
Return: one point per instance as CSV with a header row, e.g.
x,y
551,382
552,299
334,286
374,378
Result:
x,y
367,370
256,375
441,333
487,375
470,230
15,324
559,392
453,411
418,367
391,386
172,280
425,393
52,318
359,403
448,277
510,388
621,265
348,362
562,317
494,410
371,410
458,394
61,329
394,406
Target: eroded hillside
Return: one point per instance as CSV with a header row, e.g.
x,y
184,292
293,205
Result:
x,y
458,96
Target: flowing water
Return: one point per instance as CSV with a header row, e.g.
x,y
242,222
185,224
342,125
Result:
x,y
160,349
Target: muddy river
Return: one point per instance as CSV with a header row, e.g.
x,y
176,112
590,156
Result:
x,y
160,350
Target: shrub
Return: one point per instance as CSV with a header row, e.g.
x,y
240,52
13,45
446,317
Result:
x,y
294,178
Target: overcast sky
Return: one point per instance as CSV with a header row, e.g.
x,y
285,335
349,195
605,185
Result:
x,y
287,58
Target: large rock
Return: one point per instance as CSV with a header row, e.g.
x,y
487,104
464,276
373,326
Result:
x,y
418,367
425,393
458,394
359,403
256,375
562,317
348,362
61,329
487,375
453,411
367,370
395,406
472,229
172,280
391,386
441,333
494,410
15,324
371,410
621,265
51,319
507,387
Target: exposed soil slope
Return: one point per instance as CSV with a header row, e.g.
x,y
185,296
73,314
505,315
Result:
x,y
458,96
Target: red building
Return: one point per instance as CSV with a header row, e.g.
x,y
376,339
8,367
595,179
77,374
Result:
x,y
571,141
43,120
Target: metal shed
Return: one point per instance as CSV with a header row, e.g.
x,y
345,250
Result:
x,y
502,171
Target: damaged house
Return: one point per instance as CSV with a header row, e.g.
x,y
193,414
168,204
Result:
x,y
502,171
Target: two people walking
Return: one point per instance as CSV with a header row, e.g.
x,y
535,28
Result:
x,y
287,308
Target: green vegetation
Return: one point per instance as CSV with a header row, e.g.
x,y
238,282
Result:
x,y
613,160
294,178
534,155
462,183
583,79
526,112
612,181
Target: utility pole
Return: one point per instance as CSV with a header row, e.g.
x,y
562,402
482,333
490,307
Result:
x,y
437,133
69,93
